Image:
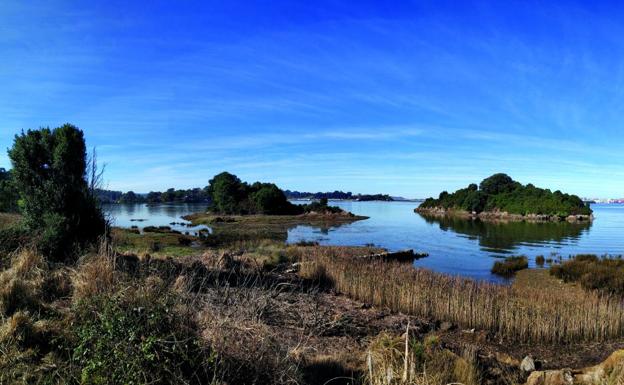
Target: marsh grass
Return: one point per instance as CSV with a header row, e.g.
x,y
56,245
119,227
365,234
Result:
x,y
605,274
402,360
510,265
512,314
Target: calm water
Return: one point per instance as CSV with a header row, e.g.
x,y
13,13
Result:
x,y
142,215
454,246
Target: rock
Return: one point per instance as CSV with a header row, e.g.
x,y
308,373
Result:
x,y
527,364
608,372
551,377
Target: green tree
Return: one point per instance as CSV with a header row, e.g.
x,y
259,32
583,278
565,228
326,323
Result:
x,y
9,196
497,183
269,200
129,197
50,174
228,194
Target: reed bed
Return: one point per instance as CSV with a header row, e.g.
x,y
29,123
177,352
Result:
x,y
527,315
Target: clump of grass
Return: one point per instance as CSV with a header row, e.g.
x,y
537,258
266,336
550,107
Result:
x,y
539,260
510,265
516,315
593,273
406,361
94,277
21,284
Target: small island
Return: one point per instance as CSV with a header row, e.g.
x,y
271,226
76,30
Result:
x,y
261,210
500,198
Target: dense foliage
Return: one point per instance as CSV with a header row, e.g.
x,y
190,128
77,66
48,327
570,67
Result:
x,y
229,195
501,193
58,204
9,196
136,339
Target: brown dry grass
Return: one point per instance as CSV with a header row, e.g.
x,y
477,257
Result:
x,y
95,275
21,284
402,360
515,315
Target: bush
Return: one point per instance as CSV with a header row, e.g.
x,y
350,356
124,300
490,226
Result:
x,y
593,273
510,266
539,260
137,338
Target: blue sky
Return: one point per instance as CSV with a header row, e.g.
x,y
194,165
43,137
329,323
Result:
x,y
406,98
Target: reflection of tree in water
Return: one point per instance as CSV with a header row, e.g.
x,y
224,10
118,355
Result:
x,y
506,236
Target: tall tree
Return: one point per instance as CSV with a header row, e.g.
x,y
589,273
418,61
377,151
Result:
x,y
50,169
228,193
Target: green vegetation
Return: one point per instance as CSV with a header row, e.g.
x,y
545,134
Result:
x,y
9,196
157,244
230,196
501,193
58,203
136,338
593,273
509,266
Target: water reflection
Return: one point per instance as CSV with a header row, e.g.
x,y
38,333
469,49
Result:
x,y
506,237
142,215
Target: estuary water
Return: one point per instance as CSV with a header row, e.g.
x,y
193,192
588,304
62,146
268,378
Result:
x,y
462,247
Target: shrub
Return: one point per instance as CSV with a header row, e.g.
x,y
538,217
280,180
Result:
x,y
510,266
593,273
539,260
137,338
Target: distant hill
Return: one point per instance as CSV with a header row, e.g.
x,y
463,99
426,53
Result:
x,y
501,194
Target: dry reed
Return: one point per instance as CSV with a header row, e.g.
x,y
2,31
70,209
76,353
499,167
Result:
x,y
526,315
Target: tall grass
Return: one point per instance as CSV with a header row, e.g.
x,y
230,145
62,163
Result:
x,y
605,274
517,315
403,360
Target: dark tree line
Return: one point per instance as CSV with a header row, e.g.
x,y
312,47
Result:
x,y
337,195
194,195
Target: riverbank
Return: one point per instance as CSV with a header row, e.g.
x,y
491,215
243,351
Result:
x,y
499,216
270,312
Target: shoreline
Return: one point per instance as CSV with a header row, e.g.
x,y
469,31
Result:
x,y
501,216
